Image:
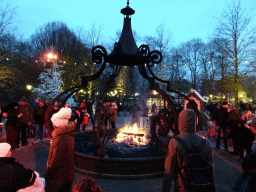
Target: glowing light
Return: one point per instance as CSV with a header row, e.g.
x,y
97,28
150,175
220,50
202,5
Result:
x,y
29,87
51,56
132,135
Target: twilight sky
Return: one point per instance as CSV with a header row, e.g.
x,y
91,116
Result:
x,y
185,19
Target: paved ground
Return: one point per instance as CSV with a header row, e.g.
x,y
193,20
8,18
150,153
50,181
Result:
x,y
226,167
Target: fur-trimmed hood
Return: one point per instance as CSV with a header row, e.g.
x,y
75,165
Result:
x,y
68,128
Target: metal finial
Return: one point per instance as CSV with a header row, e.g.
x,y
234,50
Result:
x,y
127,2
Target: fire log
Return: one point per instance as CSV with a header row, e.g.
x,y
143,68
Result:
x,y
134,134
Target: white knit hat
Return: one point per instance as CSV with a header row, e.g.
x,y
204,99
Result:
x,y
4,149
61,117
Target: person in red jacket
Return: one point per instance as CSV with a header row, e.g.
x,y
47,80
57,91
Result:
x,y
85,120
113,115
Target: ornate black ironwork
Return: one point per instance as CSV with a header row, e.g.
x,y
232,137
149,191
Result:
x,y
99,54
126,53
143,51
155,57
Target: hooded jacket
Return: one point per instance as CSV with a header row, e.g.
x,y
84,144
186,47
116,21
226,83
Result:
x,y
60,166
176,152
39,115
221,117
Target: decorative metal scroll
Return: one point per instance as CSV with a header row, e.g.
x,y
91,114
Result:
x,y
161,125
50,107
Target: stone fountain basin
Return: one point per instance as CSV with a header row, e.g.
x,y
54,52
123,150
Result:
x,y
119,162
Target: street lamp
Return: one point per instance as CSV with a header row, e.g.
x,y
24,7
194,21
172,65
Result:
x,y
50,61
51,56
29,87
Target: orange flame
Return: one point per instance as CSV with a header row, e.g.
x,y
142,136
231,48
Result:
x,y
139,137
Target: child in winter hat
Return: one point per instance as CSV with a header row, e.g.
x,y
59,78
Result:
x,y
62,117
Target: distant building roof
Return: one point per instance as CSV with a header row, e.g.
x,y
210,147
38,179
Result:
x,y
194,93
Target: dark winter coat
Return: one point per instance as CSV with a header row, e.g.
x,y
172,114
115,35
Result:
x,y
12,119
89,107
248,165
247,137
234,116
153,108
1,115
60,168
39,115
27,112
14,176
34,105
221,117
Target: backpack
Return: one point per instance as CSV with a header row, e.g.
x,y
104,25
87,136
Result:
x,y
196,169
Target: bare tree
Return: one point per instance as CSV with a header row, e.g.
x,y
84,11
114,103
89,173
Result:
x,y
95,35
161,42
178,68
192,52
7,14
235,26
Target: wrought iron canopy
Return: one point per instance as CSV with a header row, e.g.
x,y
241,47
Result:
x,y
126,52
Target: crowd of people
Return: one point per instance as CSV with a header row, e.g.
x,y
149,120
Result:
x,y
66,121
239,127
59,174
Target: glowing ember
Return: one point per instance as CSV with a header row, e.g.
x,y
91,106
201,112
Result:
x,y
132,136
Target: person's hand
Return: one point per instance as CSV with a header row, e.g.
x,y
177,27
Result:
x,y
20,115
247,126
4,114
